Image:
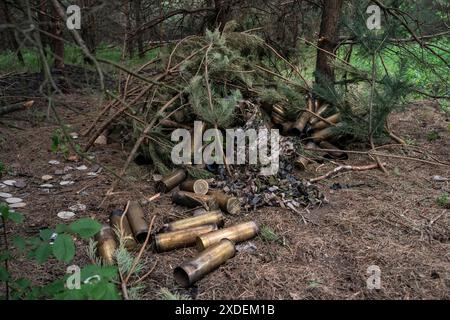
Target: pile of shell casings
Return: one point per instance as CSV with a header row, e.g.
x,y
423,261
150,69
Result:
x,y
204,230
129,225
313,128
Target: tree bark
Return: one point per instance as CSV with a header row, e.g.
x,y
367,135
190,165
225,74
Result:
x,y
57,41
11,33
137,15
88,31
128,39
328,40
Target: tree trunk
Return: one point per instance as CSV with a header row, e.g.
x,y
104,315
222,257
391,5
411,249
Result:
x,y
137,15
328,40
88,31
11,33
57,41
128,39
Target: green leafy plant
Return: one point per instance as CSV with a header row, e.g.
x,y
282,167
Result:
x,y
61,143
2,168
443,200
433,136
165,294
96,281
269,235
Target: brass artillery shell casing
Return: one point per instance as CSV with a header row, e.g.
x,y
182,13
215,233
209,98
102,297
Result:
x,y
139,226
317,105
212,217
197,186
335,118
279,110
190,272
238,233
114,219
180,238
286,127
319,112
302,162
167,183
227,203
304,118
339,154
106,244
301,122
277,119
325,134
192,200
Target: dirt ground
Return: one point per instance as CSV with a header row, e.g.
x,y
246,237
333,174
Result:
x,y
392,221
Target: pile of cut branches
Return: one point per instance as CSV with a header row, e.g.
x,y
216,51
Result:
x,y
225,79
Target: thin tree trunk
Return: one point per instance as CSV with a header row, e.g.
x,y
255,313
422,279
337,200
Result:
x,y
328,40
11,33
88,31
58,43
128,40
137,13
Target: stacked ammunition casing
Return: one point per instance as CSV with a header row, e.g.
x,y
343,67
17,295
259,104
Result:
x,y
212,217
304,118
337,154
170,181
197,186
227,203
278,114
321,110
136,219
192,200
302,162
119,220
335,118
237,233
325,134
106,244
181,238
208,260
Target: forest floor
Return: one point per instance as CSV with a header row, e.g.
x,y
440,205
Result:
x,y
392,221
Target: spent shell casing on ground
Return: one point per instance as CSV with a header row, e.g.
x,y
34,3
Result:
x,y
136,219
335,118
279,110
319,112
277,119
199,186
208,260
106,244
301,122
181,238
193,200
238,233
226,203
122,224
302,162
212,217
338,154
325,134
169,182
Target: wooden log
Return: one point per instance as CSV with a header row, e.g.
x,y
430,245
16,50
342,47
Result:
x,y
16,107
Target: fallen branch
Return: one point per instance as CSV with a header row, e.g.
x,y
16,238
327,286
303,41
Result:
x,y
16,107
346,168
